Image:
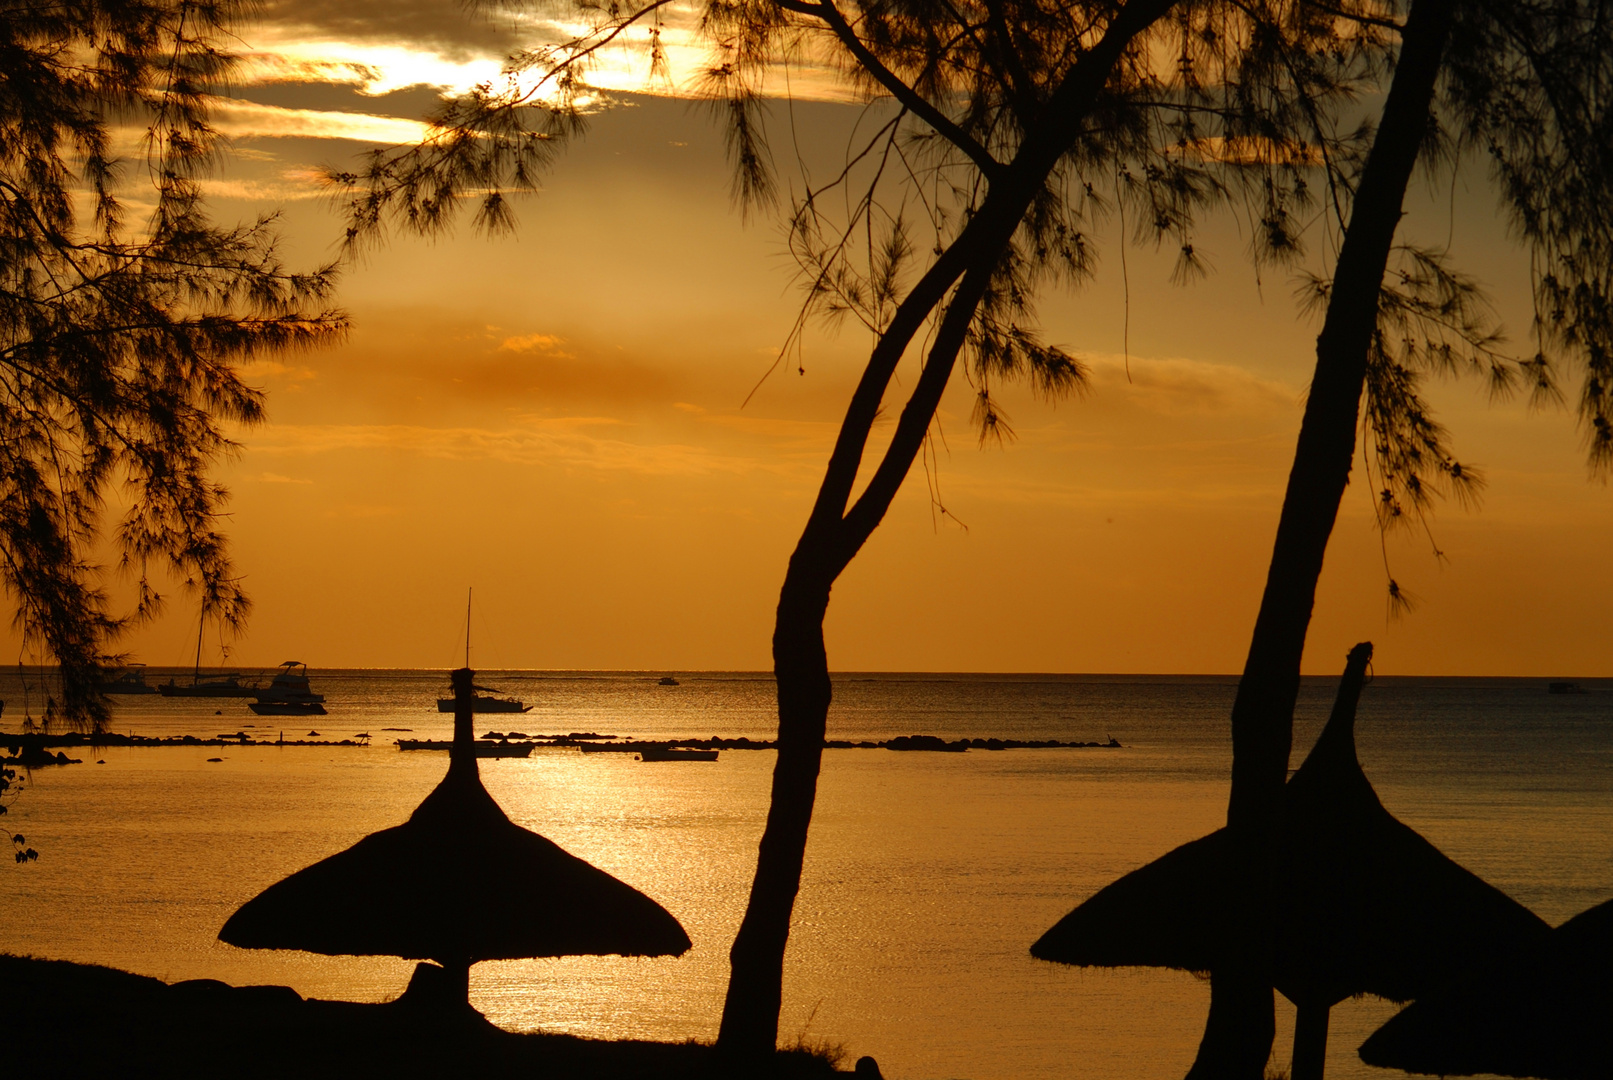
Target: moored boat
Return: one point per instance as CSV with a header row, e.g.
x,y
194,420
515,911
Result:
x,y
482,703
131,681
610,748
676,753
482,700
288,694
482,748
229,685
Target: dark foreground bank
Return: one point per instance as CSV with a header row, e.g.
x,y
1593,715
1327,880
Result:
x,y
75,1020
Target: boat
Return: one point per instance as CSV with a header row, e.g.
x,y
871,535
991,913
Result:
x,y
228,685
481,701
132,681
288,694
1565,688
667,680
483,749
484,704
672,753
211,686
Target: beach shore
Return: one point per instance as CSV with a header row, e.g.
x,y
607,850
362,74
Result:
x,y
75,1020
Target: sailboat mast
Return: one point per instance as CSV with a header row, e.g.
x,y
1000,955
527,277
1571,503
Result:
x,y
201,628
468,593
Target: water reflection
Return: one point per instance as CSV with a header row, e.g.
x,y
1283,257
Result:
x,y
926,873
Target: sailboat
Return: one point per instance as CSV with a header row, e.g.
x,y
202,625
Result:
x,y
229,685
481,701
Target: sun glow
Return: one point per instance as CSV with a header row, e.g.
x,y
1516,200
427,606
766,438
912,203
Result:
x,y
623,66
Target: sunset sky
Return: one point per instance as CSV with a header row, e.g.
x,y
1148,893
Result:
x,y
556,419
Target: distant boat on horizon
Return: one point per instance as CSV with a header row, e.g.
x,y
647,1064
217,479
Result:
x,y
667,680
1565,688
131,681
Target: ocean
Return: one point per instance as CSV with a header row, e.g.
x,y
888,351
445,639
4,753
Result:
x,y
927,877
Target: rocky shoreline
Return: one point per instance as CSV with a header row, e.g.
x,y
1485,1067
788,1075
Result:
x,y
36,750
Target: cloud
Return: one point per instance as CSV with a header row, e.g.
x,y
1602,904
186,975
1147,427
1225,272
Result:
x,y
289,189
276,478
373,70
262,368
532,343
1176,387
381,47
444,27
563,442
247,119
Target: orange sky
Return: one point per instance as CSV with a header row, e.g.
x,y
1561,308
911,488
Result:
x,y
555,419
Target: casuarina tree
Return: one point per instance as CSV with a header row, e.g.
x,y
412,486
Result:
x,y
1000,131
1526,87
120,333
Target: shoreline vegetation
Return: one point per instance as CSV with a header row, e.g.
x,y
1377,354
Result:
x,y
88,1020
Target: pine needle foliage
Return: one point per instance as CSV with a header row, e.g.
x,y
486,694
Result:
x,y
1526,92
124,313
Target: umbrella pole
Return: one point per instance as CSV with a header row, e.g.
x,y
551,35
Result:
x,y
1310,1042
458,980
463,751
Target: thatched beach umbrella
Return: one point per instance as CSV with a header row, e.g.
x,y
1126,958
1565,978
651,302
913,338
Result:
x,y
1364,905
1546,1012
457,883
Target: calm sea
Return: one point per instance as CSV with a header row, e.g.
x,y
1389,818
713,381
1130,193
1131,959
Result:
x,y
927,878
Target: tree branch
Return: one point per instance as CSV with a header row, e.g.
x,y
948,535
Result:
x,y
904,93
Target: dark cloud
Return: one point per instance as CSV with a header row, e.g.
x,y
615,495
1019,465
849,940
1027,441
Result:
x,y
435,25
412,103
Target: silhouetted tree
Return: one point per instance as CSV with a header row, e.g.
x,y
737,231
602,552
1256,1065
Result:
x,y
1007,126
1527,85
119,335
1004,128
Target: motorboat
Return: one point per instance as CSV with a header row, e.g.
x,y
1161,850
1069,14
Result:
x,y
288,694
131,681
667,680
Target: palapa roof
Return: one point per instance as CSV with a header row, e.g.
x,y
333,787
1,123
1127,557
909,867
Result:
x,y
1365,905
1544,1012
458,882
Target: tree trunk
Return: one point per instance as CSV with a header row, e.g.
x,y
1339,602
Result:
x,y
749,1029
1233,1045
1263,711
833,536
1310,1041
